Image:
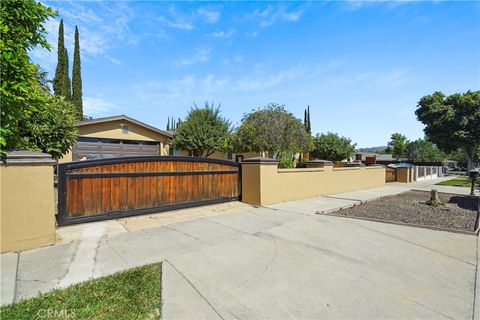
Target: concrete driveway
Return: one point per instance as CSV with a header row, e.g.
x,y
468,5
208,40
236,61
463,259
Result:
x,y
284,261
321,267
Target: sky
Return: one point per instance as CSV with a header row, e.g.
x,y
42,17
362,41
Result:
x,y
360,66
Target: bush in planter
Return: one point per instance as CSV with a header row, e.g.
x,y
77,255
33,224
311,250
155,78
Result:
x,y
285,161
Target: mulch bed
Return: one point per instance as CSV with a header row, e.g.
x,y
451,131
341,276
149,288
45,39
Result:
x,y
459,212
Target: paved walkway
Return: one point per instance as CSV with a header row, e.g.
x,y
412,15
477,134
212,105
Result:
x,y
281,261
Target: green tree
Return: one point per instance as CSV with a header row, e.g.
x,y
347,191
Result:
x,y
453,122
51,128
332,147
66,84
77,95
203,132
398,144
423,150
168,124
21,30
271,129
59,71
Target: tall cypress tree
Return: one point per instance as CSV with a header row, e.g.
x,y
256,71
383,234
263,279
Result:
x,y
59,71
309,128
66,89
305,121
168,124
77,77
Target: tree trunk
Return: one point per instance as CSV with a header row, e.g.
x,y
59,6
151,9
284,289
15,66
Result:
x,y
470,160
434,199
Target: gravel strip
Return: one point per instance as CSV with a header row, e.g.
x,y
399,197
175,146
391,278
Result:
x,y
459,212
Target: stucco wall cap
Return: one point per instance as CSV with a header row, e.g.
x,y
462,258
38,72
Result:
x,y
27,158
319,163
259,160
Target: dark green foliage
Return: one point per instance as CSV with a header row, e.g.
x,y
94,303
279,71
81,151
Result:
x,y
453,122
398,145
59,71
422,150
271,129
306,120
66,84
21,30
332,147
203,132
51,128
131,294
285,161
77,94
168,124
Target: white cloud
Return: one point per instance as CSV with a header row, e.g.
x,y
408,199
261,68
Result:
x,y
200,55
97,107
266,82
237,58
270,15
185,90
211,16
224,34
181,25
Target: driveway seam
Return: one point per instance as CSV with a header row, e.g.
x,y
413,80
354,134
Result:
x,y
412,243
16,278
194,288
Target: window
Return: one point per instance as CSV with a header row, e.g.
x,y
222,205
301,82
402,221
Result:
x,y
230,156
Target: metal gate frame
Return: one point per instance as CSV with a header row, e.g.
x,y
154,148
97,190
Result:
x,y
63,219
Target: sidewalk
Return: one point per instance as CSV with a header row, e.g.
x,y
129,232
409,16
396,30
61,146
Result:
x,y
101,248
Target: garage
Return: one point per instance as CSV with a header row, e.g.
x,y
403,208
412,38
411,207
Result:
x,y
88,148
117,136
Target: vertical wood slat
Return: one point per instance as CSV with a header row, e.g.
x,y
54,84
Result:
x,y
99,196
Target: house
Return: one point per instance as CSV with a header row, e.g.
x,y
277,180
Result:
x,y
117,136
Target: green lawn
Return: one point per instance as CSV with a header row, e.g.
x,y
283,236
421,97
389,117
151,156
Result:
x,y
459,182
131,294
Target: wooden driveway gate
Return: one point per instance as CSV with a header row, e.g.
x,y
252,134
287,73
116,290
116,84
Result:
x,y
118,187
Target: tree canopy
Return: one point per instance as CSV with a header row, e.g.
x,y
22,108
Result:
x,y
332,147
422,150
271,129
77,95
452,122
21,29
398,145
203,132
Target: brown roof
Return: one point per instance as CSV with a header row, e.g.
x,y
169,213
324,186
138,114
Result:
x,y
124,117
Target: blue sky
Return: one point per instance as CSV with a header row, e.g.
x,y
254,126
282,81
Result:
x,y
361,66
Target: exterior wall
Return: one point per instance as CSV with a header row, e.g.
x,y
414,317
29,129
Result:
x,y
27,206
224,155
264,183
113,130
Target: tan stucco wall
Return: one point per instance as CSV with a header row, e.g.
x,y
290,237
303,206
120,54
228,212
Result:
x,y
27,212
266,184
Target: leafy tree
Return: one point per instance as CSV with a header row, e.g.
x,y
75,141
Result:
x,y
453,122
398,145
203,132
21,30
332,147
423,150
271,129
66,84
51,128
60,69
77,95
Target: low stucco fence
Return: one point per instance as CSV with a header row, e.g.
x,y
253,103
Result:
x,y
264,183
